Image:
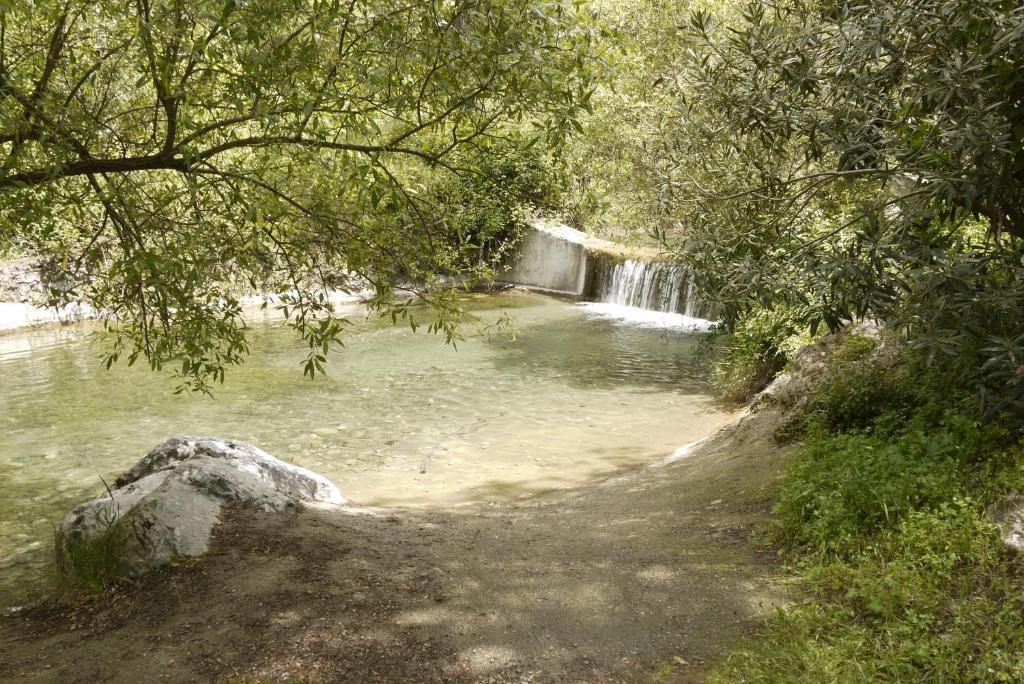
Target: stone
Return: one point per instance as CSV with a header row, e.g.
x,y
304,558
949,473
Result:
x,y
167,505
24,290
553,258
1009,517
791,390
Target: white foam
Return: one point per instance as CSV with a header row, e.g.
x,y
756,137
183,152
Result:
x,y
645,318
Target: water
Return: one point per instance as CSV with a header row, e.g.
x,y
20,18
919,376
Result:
x,y
659,286
401,419
647,318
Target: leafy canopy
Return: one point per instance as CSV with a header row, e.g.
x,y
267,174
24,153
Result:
x,y
165,152
857,158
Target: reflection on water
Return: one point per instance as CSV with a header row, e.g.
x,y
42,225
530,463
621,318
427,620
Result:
x,y
400,420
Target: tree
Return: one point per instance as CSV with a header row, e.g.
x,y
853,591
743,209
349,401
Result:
x,y
858,158
164,151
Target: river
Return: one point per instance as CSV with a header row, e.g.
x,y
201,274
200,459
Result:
x,y
400,419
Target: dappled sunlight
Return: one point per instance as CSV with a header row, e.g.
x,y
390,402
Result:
x,y
606,577
656,574
399,421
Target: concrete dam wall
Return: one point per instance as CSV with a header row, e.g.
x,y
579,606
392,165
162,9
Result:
x,y
553,258
557,258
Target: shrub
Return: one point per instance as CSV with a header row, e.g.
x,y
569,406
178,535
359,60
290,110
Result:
x,y
861,385
935,598
884,513
755,352
843,488
481,215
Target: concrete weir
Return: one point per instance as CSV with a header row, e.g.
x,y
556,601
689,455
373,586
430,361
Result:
x,y
557,258
554,258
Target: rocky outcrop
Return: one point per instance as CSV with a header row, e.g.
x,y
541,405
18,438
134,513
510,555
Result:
x,y
21,282
25,286
167,505
790,391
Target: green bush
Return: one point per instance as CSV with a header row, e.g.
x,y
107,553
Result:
x,y
481,214
884,515
758,348
845,487
935,598
860,386
879,444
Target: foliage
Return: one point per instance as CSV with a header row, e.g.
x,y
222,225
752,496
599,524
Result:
x,y
848,486
614,164
172,150
935,598
863,383
481,213
881,441
854,159
758,348
885,515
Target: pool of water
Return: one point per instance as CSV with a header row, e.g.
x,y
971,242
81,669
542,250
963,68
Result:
x,y
400,419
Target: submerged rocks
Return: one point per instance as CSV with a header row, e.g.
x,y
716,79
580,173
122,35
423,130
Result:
x,y
167,505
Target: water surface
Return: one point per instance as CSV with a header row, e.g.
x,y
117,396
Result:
x,y
401,419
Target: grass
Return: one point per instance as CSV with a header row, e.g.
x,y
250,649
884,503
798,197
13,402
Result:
x,y
884,519
92,565
755,352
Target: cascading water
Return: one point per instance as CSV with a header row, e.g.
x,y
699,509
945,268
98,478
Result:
x,y
653,285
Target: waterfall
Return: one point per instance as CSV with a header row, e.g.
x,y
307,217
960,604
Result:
x,y
654,285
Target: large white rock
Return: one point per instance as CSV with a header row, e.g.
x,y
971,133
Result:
x,y
167,505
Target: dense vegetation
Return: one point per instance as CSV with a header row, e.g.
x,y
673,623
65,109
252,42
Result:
x,y
833,159
885,517
815,163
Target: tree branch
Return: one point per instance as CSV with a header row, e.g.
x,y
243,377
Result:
x,y
85,167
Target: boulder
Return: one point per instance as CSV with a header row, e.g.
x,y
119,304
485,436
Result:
x,y
167,505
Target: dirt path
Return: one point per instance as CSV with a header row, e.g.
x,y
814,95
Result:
x,y
644,576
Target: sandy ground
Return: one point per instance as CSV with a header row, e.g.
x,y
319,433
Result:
x,y
649,575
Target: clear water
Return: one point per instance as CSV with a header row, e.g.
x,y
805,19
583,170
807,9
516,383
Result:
x,y
401,419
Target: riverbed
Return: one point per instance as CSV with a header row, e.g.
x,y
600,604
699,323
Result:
x,y
401,419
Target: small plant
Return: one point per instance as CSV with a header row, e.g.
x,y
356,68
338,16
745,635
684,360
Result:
x,y
92,564
755,352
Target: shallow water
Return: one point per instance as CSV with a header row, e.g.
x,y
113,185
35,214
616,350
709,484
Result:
x,y
401,419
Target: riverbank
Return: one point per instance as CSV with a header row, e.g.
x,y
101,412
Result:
x,y
651,573
23,286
